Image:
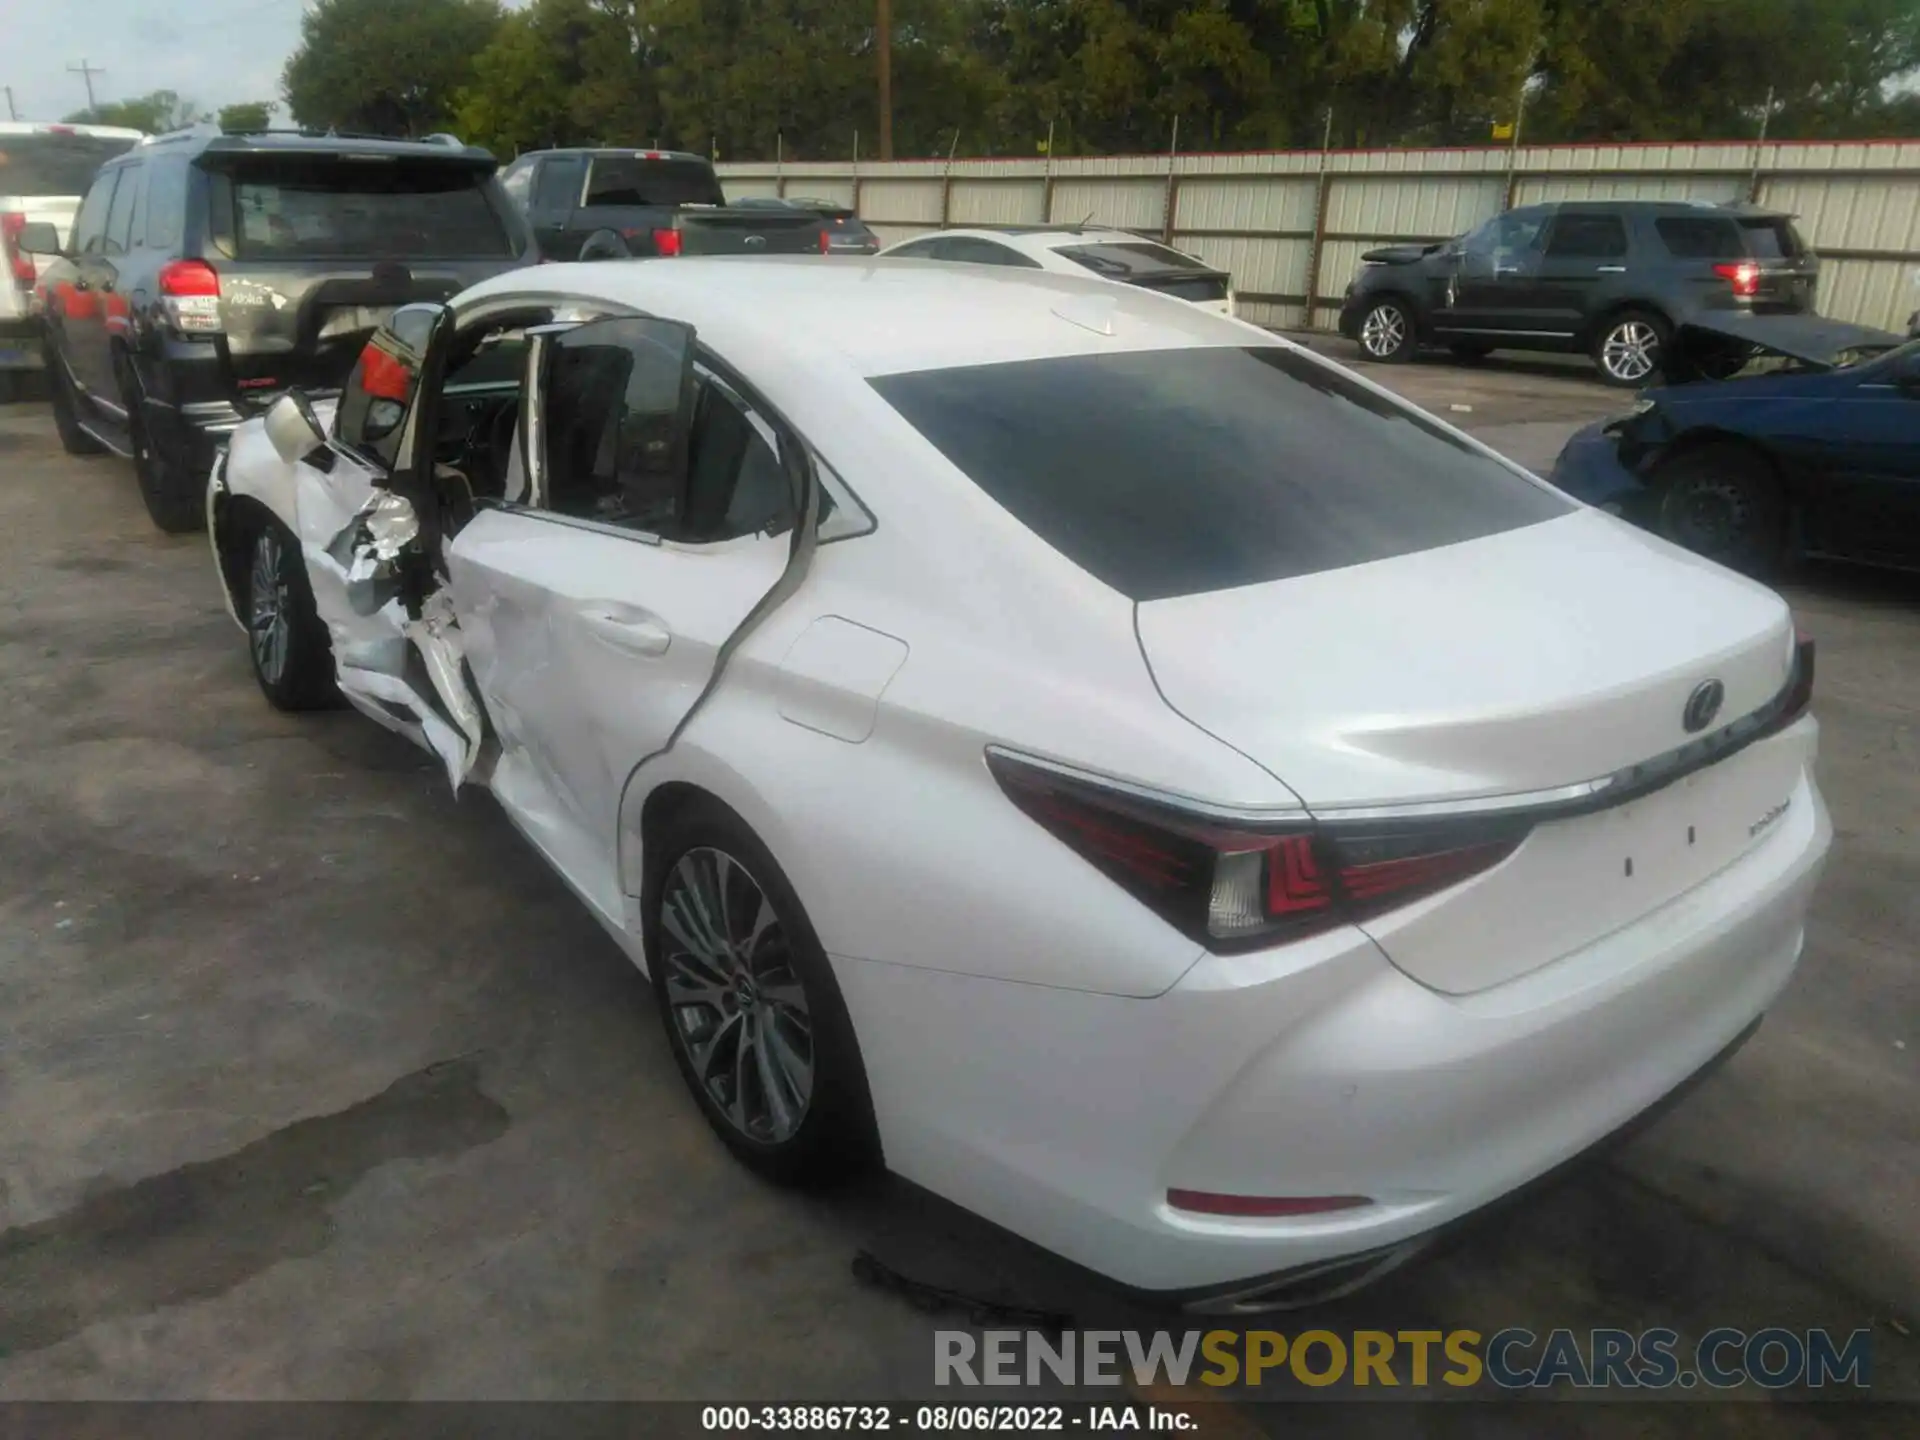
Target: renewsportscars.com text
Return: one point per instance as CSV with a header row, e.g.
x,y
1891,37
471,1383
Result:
x,y
1512,1359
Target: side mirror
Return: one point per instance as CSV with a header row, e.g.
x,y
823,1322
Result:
x,y
39,238
293,427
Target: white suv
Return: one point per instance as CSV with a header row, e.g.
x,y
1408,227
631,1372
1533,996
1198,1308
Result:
x,y
44,170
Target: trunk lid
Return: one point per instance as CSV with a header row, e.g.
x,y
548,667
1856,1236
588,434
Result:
x,y
306,326
1531,660
747,232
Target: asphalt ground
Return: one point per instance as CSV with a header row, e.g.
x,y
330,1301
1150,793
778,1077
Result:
x,y
316,1084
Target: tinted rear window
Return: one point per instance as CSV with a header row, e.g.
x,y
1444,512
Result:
x,y
1770,239
1690,238
1124,260
53,164
301,208
638,181
1176,472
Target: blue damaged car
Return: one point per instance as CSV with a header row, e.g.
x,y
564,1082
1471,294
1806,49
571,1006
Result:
x,y
1813,449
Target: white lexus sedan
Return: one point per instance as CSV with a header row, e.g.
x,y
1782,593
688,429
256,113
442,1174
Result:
x,y
1118,256
1113,767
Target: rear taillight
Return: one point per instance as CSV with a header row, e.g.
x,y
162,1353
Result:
x,y
1798,696
1235,887
666,242
190,295
18,261
826,240
1744,277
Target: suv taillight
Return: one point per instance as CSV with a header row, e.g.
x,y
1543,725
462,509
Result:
x,y
18,261
826,239
1744,276
190,294
666,242
1237,887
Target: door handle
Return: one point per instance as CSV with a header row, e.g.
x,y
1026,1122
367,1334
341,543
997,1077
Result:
x,y
1609,269
635,632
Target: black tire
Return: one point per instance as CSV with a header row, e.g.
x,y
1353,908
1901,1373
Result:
x,y
832,1136
1630,348
1388,332
1469,351
1725,502
66,408
605,245
175,497
287,645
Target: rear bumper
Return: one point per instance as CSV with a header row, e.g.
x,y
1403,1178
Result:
x,y
1317,1069
20,347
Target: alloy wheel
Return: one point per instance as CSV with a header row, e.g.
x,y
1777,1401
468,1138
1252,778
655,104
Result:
x,y
1384,331
1631,351
270,609
738,1007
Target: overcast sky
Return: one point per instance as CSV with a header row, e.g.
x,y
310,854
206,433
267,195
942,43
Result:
x,y
213,52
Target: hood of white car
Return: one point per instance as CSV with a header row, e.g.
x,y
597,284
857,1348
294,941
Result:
x,y
1540,657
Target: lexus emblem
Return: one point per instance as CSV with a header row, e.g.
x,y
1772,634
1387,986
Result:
x,y
756,242
1702,705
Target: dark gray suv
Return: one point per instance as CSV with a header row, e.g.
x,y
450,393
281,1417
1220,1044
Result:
x,y
1613,279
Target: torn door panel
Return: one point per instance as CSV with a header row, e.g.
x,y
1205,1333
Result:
x,y
407,660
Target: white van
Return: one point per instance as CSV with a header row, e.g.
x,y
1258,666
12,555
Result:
x,y
44,170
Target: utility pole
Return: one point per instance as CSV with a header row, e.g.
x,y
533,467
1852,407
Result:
x,y
884,24
12,114
86,72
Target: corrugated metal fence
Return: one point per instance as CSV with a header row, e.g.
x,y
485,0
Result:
x,y
1290,225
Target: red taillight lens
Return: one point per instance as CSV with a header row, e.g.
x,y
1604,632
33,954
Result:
x,y
666,242
188,277
1234,888
20,263
826,240
190,294
1202,1202
1744,277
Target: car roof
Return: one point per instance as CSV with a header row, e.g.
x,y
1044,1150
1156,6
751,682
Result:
x,y
210,139
614,152
52,127
1737,210
883,317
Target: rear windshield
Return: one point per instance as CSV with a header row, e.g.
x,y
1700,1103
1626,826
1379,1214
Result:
x,y
53,164
1701,238
1175,472
635,180
1770,239
1124,260
301,208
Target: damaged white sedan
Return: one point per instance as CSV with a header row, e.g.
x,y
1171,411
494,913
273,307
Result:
x,y
1134,778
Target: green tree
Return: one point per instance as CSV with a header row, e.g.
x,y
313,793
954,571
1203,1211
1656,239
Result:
x,y
563,72
155,113
386,67
247,115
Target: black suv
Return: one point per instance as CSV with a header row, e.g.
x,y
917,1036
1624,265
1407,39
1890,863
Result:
x,y
208,273
1611,278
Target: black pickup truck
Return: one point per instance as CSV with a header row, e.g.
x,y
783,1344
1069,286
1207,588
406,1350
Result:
x,y
608,204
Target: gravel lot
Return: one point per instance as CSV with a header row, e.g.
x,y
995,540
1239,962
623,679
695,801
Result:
x,y
316,1083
